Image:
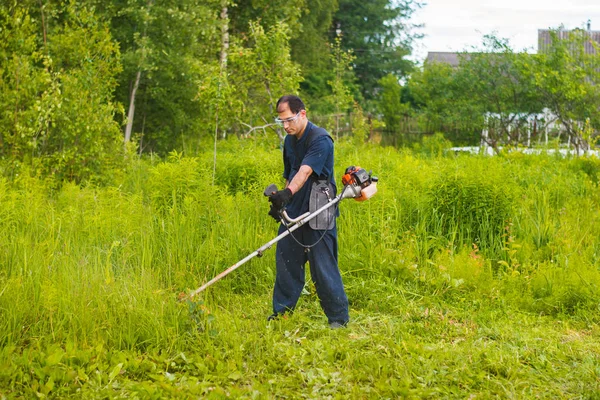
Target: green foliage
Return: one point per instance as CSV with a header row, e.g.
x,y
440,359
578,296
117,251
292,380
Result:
x,y
340,81
313,49
171,181
496,80
341,99
310,47
267,12
360,126
435,145
491,81
22,81
93,281
567,78
85,140
159,64
379,34
169,43
440,99
510,87
432,88
471,207
390,103
262,71
590,166
563,288
61,120
217,100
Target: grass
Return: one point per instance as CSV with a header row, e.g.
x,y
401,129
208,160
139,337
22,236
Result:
x,y
414,347
448,300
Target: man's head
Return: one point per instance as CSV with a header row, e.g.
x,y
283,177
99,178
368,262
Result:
x,y
292,115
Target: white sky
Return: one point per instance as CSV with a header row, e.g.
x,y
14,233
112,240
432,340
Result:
x,y
457,25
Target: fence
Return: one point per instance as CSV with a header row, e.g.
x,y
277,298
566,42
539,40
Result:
x,y
406,130
526,130
531,130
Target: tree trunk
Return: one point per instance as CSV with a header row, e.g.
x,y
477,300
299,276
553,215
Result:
x,y
224,36
43,21
223,68
142,136
131,112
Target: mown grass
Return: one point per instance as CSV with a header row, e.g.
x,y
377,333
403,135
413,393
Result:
x,y
468,277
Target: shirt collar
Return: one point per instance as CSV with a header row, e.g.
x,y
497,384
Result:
x,y
307,129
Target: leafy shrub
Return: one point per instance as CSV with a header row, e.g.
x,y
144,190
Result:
x,y
238,175
247,166
64,125
588,165
170,181
566,288
433,146
470,208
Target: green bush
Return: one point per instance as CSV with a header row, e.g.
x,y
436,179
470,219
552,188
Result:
x,y
172,180
590,166
435,145
64,125
470,207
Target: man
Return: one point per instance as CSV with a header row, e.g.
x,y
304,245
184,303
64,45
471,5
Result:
x,y
307,157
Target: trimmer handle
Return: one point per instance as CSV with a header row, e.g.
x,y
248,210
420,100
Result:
x,y
272,188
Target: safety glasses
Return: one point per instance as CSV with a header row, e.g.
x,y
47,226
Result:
x,y
280,121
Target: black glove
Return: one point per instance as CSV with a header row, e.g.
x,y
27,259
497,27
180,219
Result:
x,y
274,213
280,199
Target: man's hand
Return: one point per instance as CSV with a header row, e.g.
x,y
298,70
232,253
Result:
x,y
274,213
280,199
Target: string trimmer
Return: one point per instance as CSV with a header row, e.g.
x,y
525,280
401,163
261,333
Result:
x,y
358,184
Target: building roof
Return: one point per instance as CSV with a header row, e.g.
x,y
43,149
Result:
x,y
446,57
544,39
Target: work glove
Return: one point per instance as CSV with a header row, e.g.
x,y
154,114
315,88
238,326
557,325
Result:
x,y
280,199
274,213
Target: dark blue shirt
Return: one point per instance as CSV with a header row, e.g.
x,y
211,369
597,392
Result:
x,y
315,149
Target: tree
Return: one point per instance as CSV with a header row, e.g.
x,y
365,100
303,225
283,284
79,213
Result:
x,y
340,101
568,81
311,48
489,84
496,79
141,65
380,36
267,13
390,103
441,100
310,45
164,46
261,70
21,82
58,89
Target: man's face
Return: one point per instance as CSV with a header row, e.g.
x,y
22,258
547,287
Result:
x,y
292,123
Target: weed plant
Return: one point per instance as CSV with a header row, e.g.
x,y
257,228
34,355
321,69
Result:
x,y
468,277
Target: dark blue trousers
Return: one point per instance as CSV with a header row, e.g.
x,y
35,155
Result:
x,y
323,259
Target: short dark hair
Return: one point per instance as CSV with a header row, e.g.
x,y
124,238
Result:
x,y
294,102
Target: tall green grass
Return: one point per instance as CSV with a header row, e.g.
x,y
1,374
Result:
x,y
446,264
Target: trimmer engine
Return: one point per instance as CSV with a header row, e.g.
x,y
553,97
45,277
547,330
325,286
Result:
x,y
360,184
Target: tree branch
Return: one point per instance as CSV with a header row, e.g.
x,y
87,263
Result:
x,y
263,127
